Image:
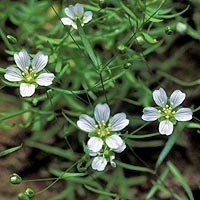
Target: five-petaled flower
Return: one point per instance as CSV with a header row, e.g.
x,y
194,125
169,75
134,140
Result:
x,y
104,140
75,13
168,113
28,73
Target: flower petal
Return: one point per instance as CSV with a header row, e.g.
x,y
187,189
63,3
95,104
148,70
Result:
x,y
13,74
39,61
78,10
102,112
86,123
176,98
22,59
99,163
183,114
26,89
150,114
87,17
120,148
118,122
160,97
45,79
95,144
114,142
166,127
91,153
67,21
70,12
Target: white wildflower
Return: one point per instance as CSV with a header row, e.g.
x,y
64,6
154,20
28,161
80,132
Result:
x,y
76,12
168,113
104,139
27,72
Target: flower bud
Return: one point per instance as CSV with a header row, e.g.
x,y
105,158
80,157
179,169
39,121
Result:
x,y
15,179
12,39
168,31
127,65
29,192
121,47
23,196
181,27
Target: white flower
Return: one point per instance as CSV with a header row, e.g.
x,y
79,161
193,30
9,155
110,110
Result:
x,y
103,126
181,27
104,139
27,72
76,12
168,112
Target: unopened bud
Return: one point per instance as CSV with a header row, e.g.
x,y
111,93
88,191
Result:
x,y
121,47
15,178
181,27
23,196
30,192
127,65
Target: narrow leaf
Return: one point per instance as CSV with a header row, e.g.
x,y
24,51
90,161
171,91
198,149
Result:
x,y
169,144
180,178
134,168
9,151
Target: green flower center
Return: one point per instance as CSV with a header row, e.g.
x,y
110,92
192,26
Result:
x,y
29,75
103,129
167,112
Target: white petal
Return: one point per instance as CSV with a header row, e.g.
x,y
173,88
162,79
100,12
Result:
x,y
67,21
86,123
70,12
120,148
176,98
87,17
183,114
150,114
114,142
39,61
91,153
118,122
26,89
166,127
99,163
45,79
102,112
13,74
160,97
78,10
22,59
95,144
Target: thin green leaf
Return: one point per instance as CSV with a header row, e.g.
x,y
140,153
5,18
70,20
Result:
x,y
87,45
134,168
9,151
181,179
100,191
155,187
148,38
169,144
68,154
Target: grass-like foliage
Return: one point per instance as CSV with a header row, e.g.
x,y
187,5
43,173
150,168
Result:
x,y
99,99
